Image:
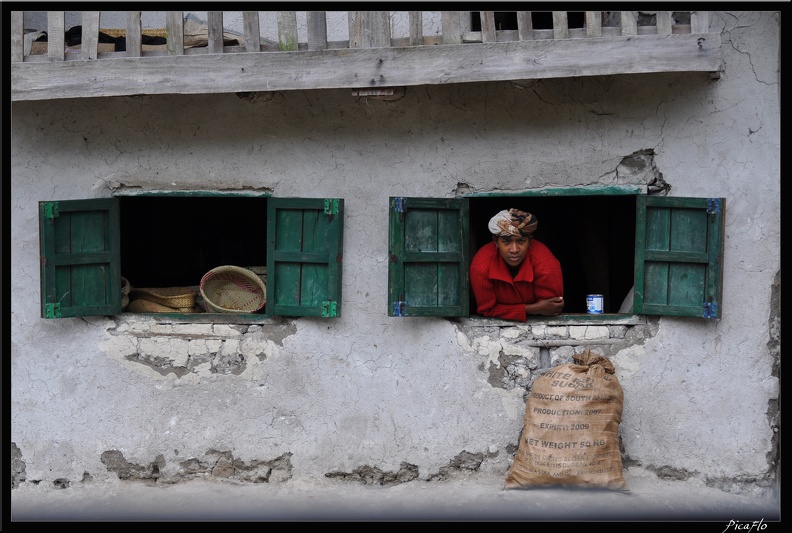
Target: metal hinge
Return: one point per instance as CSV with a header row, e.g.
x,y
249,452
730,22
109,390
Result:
x,y
399,309
329,308
52,310
331,206
50,209
713,206
400,204
710,310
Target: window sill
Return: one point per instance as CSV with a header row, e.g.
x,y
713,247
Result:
x,y
206,318
569,319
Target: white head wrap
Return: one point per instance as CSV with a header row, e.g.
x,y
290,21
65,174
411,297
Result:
x,y
513,222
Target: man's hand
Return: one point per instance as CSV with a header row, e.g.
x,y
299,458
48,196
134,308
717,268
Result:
x,y
549,307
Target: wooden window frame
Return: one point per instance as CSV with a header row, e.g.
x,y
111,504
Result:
x,y
81,276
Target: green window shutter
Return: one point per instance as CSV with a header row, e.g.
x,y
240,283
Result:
x,y
304,256
428,257
80,258
679,253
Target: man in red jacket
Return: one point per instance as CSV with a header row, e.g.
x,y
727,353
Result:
x,y
515,275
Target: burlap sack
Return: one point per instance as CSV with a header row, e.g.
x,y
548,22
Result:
x,y
570,433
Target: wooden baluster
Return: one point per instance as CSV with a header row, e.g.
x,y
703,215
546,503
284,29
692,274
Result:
x,y
17,36
593,23
452,29
664,22
629,24
416,28
89,42
317,30
699,22
174,27
56,36
487,26
287,31
525,25
214,33
560,25
250,21
133,34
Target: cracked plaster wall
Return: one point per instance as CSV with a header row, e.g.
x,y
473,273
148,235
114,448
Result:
x,y
370,397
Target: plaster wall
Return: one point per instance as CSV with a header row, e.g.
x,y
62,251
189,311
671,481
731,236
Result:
x,y
380,398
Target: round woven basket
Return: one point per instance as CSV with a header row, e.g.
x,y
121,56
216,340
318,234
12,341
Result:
x,y
177,297
233,289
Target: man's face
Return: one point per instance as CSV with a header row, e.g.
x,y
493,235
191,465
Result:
x,y
513,249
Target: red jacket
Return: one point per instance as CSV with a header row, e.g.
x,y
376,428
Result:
x,y
498,295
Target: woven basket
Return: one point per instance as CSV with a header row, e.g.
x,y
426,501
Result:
x,y
147,306
125,288
178,297
233,289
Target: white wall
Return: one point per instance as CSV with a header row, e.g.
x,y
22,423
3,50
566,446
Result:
x,y
366,389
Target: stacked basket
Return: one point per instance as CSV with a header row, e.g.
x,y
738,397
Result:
x,y
162,300
233,289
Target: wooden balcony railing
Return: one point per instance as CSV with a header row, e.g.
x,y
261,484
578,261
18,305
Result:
x,y
372,61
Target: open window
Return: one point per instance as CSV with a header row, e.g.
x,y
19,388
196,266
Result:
x,y
173,239
653,255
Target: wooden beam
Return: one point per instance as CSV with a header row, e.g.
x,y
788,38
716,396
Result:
x,y
365,67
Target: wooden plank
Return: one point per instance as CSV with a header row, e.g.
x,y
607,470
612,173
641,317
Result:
x,y
699,22
134,39
56,36
452,30
487,26
408,66
250,22
17,36
287,31
89,43
664,22
594,23
416,28
560,25
629,24
174,27
317,30
525,25
214,32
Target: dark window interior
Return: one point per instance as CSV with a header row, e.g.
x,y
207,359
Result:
x,y
592,236
541,20
173,241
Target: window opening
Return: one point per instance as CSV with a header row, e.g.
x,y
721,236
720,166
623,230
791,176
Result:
x,y
592,236
173,241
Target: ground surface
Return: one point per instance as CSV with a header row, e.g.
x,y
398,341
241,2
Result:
x,y
478,498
